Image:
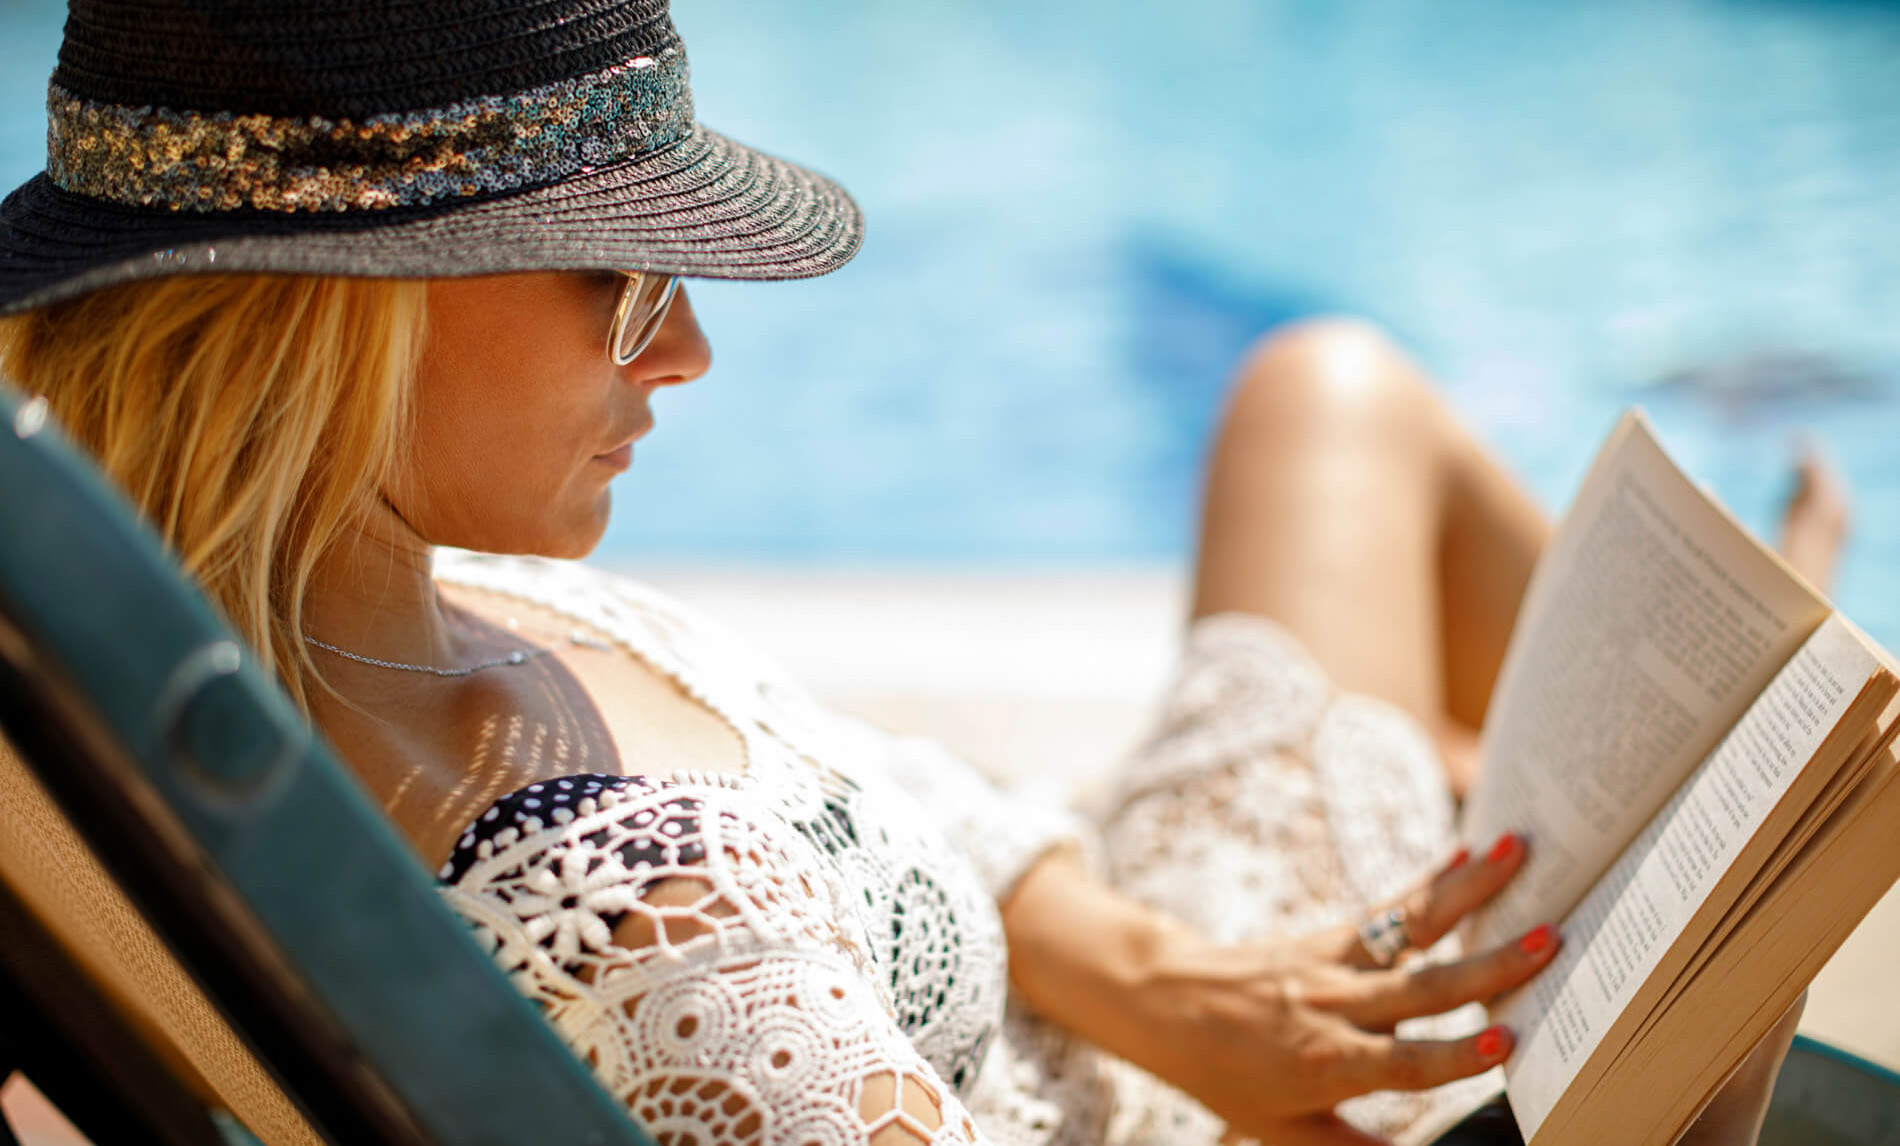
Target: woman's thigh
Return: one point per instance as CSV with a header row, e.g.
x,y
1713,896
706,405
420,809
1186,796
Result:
x,y
1345,502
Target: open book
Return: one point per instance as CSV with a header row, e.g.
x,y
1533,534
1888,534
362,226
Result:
x,y
1700,752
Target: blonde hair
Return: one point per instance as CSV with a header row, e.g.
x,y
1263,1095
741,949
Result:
x,y
251,419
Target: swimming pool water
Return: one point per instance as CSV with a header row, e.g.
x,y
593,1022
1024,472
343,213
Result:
x,y
1080,212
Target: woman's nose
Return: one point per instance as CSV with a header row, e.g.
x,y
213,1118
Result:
x,y
679,351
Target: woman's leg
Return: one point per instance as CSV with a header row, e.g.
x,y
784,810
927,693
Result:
x,y
1340,489
1346,503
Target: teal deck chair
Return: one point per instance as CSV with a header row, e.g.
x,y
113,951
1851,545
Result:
x,y
255,857
1825,1096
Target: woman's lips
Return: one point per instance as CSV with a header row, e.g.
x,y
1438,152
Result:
x,y
621,456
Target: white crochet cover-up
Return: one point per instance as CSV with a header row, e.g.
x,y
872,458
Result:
x,y
820,953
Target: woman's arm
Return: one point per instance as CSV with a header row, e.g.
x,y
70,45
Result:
x,y
1270,1036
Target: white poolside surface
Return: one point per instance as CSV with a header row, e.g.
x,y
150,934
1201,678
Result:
x,y
1045,679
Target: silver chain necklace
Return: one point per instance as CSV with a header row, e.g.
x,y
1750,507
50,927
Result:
x,y
517,657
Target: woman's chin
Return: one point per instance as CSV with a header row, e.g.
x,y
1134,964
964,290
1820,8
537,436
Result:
x,y
574,544
575,532
567,537
585,538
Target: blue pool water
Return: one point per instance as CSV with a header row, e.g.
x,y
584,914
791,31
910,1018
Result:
x,y
1081,211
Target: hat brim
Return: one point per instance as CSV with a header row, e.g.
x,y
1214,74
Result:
x,y
707,207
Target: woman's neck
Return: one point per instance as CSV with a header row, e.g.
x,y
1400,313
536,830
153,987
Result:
x,y
374,594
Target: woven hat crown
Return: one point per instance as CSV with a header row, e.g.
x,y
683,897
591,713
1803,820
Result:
x,y
355,105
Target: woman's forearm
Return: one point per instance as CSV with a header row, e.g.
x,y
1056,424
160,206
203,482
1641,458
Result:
x,y
1269,1034
1079,952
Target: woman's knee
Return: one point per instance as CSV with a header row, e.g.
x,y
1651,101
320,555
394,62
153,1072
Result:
x,y
1329,373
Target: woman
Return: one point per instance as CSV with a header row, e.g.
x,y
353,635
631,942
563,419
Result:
x,y
326,288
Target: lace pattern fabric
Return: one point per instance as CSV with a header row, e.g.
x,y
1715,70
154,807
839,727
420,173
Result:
x,y
1268,803
810,951
798,954
1311,805
689,946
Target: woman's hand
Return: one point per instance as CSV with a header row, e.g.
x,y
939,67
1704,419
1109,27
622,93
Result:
x,y
1270,1035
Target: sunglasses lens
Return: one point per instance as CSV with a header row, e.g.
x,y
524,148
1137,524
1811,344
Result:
x,y
644,312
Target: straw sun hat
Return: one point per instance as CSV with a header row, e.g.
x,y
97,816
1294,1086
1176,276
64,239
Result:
x,y
405,138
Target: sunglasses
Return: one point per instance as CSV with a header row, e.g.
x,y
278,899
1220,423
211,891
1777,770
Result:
x,y
641,312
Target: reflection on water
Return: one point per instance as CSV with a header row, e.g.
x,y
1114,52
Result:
x,y
1770,385
1080,213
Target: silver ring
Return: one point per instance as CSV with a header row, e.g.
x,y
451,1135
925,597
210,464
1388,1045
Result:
x,y
1385,936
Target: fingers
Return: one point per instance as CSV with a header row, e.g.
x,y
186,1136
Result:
x,y
1433,908
1386,998
1380,1062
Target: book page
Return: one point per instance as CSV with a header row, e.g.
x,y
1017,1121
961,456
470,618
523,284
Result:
x,y
1651,623
1619,933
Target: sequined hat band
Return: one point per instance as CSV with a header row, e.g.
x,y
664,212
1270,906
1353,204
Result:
x,y
220,161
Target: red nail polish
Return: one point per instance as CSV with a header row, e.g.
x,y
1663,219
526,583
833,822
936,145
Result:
x,y
1458,858
1491,1043
1537,939
1500,851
